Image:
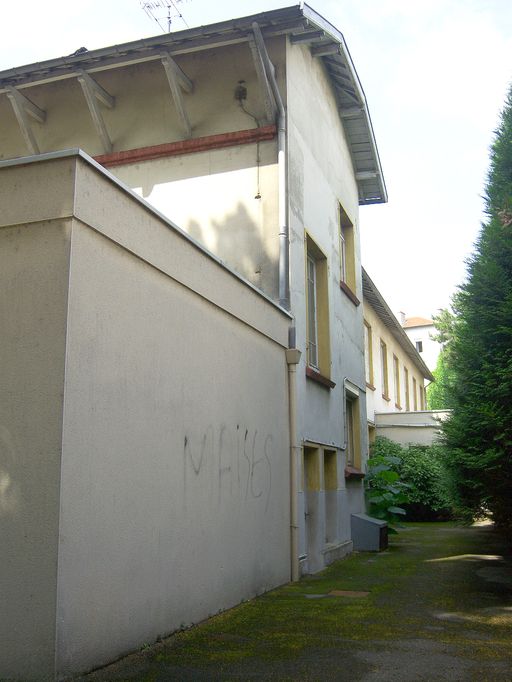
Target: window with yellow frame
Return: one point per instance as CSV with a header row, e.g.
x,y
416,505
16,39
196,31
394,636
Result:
x,y
317,309
368,354
347,251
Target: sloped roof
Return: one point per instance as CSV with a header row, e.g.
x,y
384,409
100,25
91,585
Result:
x,y
417,322
300,22
373,296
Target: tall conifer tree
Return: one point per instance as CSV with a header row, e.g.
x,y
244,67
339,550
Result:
x,y
480,430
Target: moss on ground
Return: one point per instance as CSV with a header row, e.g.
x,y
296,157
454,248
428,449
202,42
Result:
x,y
428,586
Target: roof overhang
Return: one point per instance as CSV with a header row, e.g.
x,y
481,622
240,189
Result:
x,y
373,296
300,22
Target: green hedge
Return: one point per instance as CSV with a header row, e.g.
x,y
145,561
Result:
x,y
422,469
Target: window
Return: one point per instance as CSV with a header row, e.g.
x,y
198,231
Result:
x,y
368,354
352,435
415,394
384,369
311,469
331,497
419,346
406,384
312,315
347,255
317,311
422,398
396,381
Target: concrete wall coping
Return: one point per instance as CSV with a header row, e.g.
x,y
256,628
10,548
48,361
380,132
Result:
x,y
79,153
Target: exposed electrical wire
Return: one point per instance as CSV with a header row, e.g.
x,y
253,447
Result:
x,y
240,96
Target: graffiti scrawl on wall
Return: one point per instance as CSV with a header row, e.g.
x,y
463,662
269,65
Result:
x,y
234,462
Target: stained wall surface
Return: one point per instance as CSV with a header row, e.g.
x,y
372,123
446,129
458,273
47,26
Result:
x,y
321,179
147,473
33,305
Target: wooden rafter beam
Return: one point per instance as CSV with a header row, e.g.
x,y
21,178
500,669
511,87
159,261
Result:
x,y
93,92
185,83
178,80
323,50
351,112
23,108
307,37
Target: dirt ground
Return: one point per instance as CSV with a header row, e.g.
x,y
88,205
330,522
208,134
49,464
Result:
x,y
437,605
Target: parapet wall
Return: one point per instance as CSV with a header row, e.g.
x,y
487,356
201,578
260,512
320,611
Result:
x,y
143,424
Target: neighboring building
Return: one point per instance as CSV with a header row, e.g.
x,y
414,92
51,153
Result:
x,y
253,136
420,331
395,375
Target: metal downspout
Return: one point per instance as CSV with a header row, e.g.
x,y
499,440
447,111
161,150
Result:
x,y
293,358
292,354
284,236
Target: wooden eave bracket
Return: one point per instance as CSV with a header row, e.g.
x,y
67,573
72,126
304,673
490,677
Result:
x,y
23,108
306,37
326,49
93,92
178,81
351,112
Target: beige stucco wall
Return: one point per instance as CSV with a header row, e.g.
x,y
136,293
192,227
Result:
x,y
375,400
418,428
320,177
34,265
151,478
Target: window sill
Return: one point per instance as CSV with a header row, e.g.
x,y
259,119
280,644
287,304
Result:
x,y
353,473
386,398
370,386
349,293
319,378
398,407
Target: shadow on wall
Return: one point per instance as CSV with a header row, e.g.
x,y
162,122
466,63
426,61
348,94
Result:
x,y
9,490
149,175
238,242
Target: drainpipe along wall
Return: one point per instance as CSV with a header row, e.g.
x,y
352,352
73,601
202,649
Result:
x,y
284,239
292,354
293,358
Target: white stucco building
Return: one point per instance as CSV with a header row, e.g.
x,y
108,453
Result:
x,y
420,331
185,420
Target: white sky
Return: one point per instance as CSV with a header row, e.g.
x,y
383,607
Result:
x,y
435,74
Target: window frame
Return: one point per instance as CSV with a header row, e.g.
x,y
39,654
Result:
x,y
352,429
384,373
368,350
346,238
396,382
318,349
407,391
312,317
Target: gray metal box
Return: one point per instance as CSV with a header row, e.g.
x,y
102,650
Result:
x,y
368,534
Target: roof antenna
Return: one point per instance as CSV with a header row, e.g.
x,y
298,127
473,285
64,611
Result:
x,y
155,8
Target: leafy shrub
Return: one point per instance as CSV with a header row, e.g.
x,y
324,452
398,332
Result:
x,y
384,490
423,468
423,475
